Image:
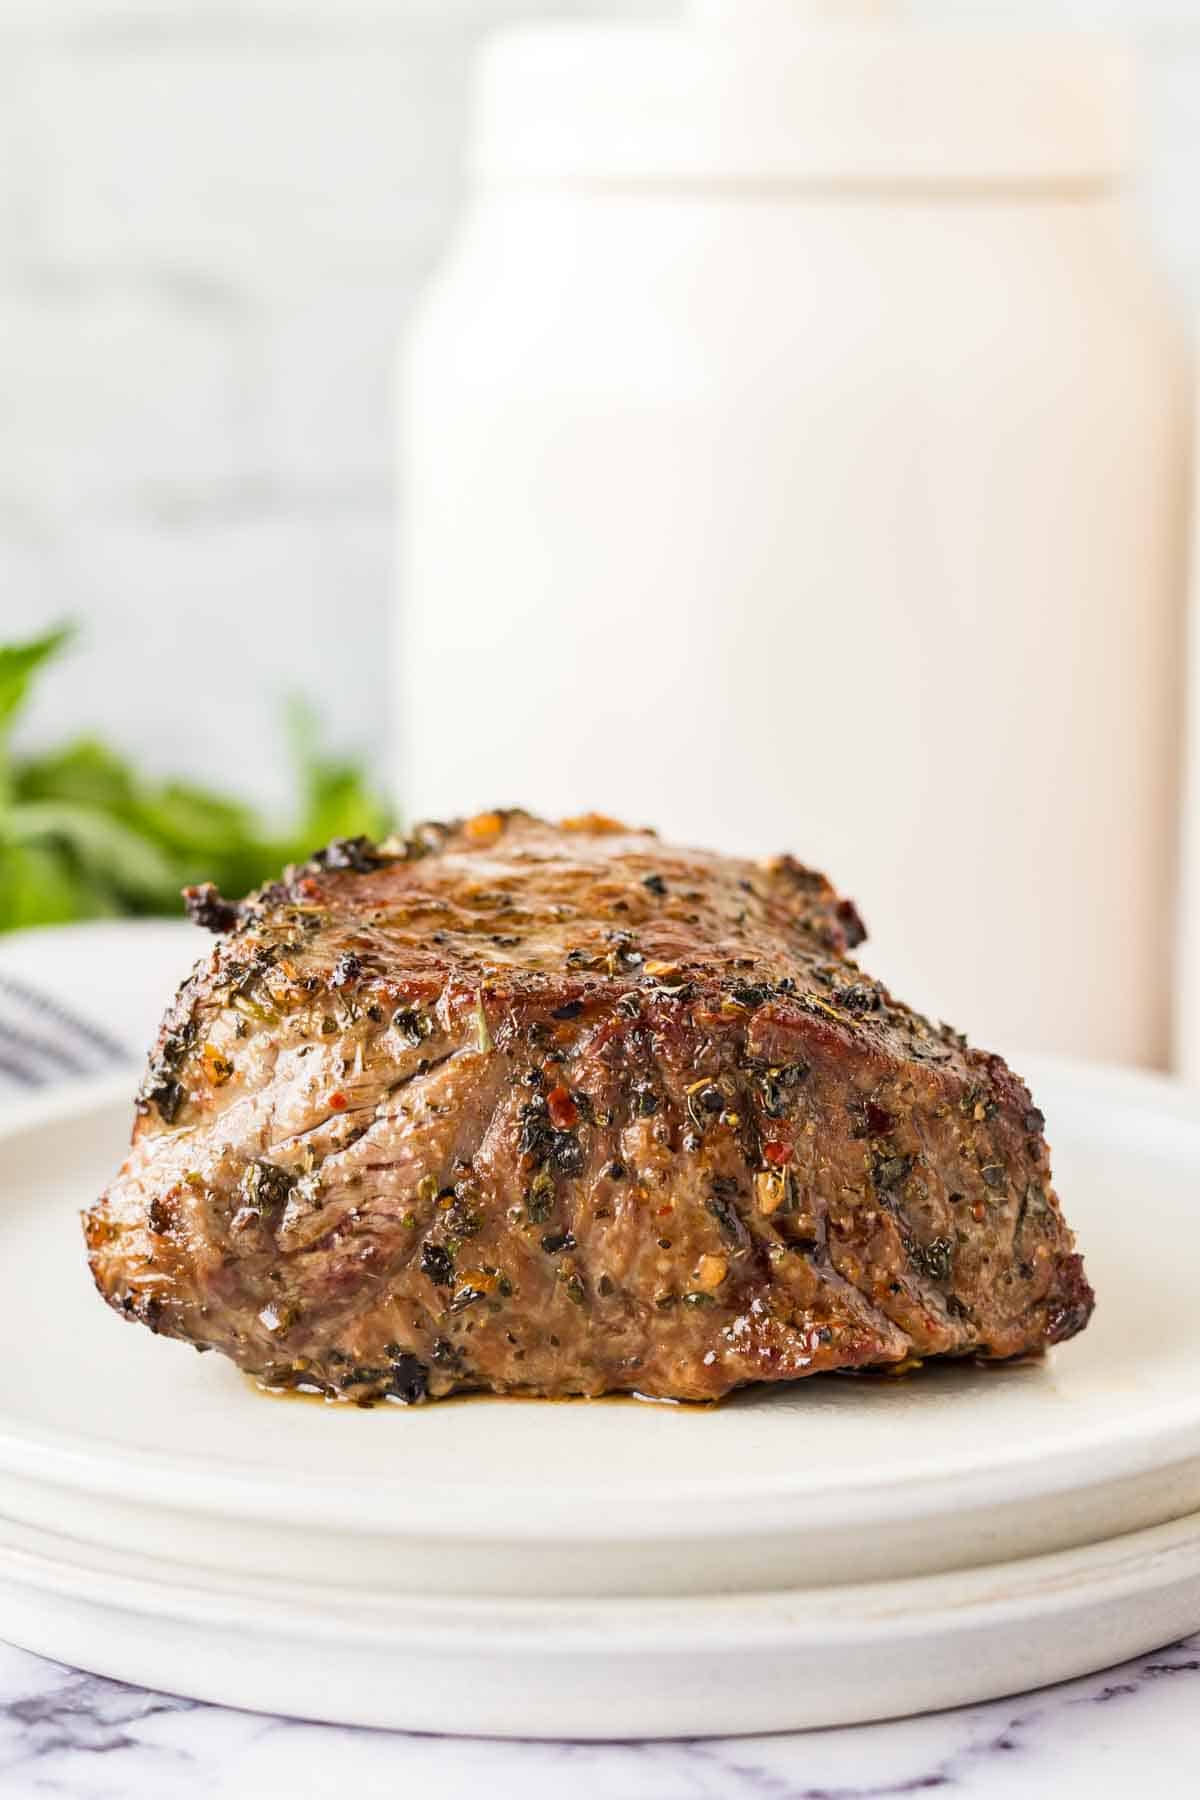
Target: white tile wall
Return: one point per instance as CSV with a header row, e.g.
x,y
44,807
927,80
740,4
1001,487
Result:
x,y
214,218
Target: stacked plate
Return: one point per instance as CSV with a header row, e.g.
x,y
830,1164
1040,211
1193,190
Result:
x,y
846,1549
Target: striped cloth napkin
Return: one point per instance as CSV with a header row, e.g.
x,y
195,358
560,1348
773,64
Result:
x,y
84,1001
42,1041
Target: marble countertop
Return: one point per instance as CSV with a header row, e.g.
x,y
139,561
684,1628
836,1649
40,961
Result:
x,y
1135,1728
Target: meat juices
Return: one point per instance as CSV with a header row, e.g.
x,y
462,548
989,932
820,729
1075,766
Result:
x,y
559,1109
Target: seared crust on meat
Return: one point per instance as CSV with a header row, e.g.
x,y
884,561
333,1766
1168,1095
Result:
x,y
559,1109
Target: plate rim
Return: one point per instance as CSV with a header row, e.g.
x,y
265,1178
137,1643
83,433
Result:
x,y
1009,1586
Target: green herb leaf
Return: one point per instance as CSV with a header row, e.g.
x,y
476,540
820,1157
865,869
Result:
x,y
19,663
38,886
104,850
85,773
82,835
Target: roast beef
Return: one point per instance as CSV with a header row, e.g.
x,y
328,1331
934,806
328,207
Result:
x,y
560,1109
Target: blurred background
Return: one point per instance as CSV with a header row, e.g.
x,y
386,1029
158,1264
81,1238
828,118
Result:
x,y
217,218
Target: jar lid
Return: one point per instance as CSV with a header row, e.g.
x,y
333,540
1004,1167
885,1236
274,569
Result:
x,y
790,92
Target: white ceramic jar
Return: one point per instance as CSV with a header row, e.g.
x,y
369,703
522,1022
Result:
x,y
794,457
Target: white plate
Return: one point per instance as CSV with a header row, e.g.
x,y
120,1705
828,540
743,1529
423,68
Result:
x,y
133,1461
707,1666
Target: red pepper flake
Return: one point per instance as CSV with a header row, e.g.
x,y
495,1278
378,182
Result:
x,y
662,1211
338,1102
777,1153
562,1109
